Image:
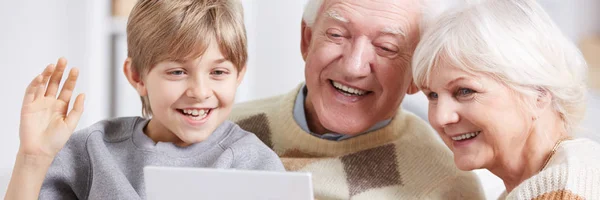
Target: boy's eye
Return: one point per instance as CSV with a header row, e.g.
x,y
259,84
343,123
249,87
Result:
x,y
176,72
218,72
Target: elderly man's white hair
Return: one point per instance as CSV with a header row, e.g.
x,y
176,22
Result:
x,y
514,42
428,9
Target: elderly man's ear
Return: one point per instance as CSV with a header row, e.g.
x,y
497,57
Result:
x,y
412,89
306,34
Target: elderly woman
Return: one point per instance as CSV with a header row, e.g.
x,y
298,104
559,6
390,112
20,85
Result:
x,y
506,91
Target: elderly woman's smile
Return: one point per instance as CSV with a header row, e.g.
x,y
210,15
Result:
x,y
463,137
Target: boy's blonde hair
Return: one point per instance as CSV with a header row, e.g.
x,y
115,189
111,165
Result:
x,y
179,30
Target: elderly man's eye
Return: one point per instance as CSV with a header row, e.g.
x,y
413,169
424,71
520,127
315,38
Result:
x,y
387,50
335,34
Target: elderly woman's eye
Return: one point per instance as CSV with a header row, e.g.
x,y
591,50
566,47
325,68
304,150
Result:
x,y
432,96
464,92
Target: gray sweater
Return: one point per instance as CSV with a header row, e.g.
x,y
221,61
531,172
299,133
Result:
x,y
106,160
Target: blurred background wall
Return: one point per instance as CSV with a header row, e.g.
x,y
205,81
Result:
x,y
35,33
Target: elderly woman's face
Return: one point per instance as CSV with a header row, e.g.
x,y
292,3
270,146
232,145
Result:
x,y
476,116
358,61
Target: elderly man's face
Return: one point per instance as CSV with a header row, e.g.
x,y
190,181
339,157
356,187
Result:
x,y
358,56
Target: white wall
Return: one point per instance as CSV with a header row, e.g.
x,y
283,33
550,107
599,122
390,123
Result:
x,y
576,18
275,64
34,34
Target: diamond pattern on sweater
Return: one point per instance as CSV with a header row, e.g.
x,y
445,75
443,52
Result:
x,y
364,174
259,125
294,159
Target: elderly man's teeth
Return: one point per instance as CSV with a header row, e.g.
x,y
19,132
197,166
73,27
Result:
x,y
466,136
349,90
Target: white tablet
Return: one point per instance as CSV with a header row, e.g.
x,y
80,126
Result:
x,y
225,184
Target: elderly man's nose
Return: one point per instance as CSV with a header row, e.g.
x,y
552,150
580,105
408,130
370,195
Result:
x,y
359,58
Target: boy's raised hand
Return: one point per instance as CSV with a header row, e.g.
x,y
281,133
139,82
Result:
x,y
46,124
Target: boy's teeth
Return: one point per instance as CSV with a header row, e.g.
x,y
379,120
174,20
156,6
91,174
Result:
x,y
466,136
195,112
347,89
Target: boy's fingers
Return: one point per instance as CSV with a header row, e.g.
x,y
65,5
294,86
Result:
x,y
67,89
75,114
56,77
41,89
31,89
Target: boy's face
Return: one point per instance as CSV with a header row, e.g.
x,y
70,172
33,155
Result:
x,y
190,99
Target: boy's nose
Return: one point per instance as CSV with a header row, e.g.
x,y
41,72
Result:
x,y
199,90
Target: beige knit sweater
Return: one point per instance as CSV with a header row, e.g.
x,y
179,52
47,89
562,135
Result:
x,y
403,160
572,173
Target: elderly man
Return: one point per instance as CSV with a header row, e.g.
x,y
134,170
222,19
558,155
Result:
x,y
345,125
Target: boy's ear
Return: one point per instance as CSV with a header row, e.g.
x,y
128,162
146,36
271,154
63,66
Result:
x,y
306,34
134,78
240,76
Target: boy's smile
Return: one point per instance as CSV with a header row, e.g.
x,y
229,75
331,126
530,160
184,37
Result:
x,y
195,116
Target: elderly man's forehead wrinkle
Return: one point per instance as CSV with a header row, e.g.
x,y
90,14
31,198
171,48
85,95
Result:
x,y
389,9
399,13
344,8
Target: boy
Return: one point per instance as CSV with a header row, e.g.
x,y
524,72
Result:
x,y
186,59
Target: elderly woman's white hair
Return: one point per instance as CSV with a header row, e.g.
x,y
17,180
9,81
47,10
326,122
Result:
x,y
514,42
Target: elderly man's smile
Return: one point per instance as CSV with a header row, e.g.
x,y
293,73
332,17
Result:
x,y
353,93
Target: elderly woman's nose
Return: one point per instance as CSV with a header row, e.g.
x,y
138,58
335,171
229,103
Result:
x,y
446,113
